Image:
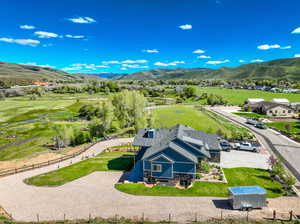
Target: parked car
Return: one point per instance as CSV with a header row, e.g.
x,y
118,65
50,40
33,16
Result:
x,y
246,146
261,126
225,146
251,121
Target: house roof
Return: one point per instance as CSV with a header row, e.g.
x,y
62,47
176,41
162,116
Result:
x,y
165,138
280,100
254,100
243,190
267,105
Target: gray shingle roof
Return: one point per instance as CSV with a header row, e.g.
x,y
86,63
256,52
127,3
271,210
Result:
x,y
165,138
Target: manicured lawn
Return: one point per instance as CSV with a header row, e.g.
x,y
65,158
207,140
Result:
x,y
238,96
249,115
200,120
235,177
107,161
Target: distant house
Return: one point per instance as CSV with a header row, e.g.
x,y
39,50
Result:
x,y
273,109
173,155
281,101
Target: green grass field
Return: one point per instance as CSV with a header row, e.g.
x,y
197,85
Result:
x,y
106,161
167,117
238,96
27,125
235,177
249,115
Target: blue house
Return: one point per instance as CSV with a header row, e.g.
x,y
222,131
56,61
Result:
x,y
173,155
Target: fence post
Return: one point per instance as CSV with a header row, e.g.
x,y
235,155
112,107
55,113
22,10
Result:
x,y
274,215
196,217
291,215
143,217
247,215
64,217
221,214
38,217
169,217
89,217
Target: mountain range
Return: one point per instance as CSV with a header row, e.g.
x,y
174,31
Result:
x,y
288,69
13,71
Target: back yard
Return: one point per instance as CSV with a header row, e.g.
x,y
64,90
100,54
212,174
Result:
x,y
235,177
203,120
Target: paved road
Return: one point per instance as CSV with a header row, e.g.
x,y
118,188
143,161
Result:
x,y
285,147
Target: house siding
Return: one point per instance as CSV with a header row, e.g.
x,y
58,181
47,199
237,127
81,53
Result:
x,y
166,170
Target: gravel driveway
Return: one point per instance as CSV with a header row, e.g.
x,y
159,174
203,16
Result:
x,y
236,158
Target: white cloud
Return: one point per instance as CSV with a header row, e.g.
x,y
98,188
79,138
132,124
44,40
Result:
x,y
297,30
124,68
174,63
186,27
297,55
257,60
217,62
74,36
125,62
35,64
274,46
134,66
27,27
28,42
242,61
47,45
151,51
43,34
82,20
72,68
199,51
204,56
111,62
286,47
134,62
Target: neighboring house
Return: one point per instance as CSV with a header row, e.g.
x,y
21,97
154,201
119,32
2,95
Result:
x,y
281,101
273,109
296,107
173,155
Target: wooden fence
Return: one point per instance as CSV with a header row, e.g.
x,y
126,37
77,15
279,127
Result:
x,y
42,164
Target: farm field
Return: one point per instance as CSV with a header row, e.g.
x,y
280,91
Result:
x,y
238,96
106,161
235,177
27,126
167,117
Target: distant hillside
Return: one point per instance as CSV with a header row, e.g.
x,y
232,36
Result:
x,y
12,71
288,69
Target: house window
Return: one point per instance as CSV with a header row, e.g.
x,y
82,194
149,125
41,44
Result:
x,y
156,168
270,112
289,111
275,111
283,111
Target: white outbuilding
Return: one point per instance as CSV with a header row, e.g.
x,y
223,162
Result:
x,y
254,100
281,101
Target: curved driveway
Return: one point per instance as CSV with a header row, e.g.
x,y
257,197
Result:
x,y
94,194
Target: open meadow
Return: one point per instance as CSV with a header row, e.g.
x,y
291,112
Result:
x,y
238,96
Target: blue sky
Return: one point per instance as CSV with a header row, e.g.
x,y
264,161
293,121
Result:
x,y
125,36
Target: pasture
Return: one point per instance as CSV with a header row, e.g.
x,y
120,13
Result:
x,y
238,96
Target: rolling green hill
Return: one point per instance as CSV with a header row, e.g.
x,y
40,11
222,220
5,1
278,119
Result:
x,y
288,69
12,71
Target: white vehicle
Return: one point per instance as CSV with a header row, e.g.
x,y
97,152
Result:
x,y
251,121
246,146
